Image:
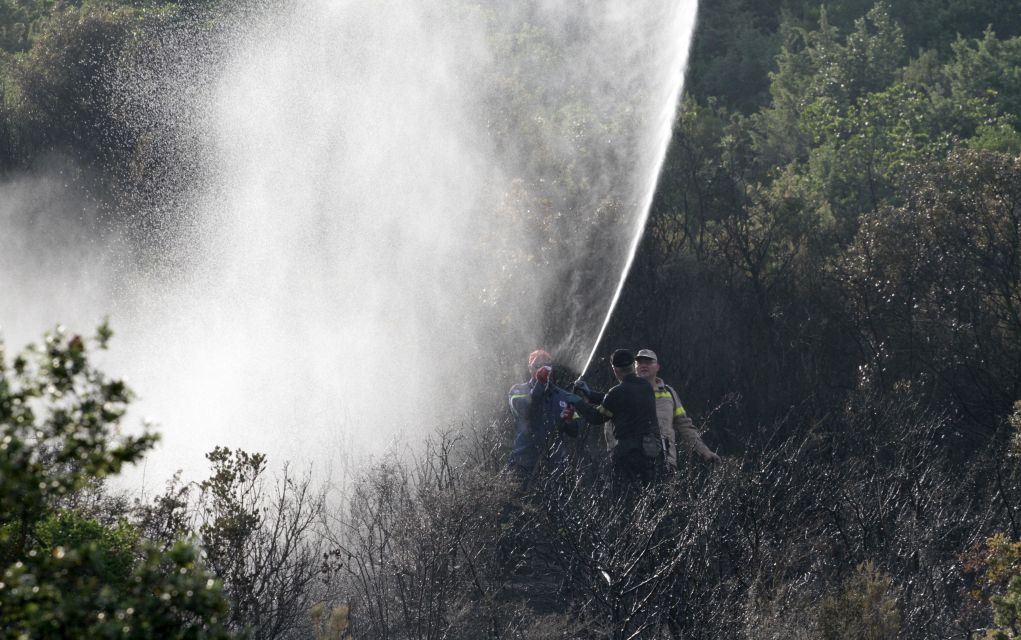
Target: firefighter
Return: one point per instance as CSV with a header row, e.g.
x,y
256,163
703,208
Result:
x,y
673,420
542,417
632,407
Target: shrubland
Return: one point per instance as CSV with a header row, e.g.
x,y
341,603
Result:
x,y
862,524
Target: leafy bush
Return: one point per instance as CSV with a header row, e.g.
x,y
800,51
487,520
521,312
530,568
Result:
x,y
997,566
63,88
64,574
112,550
865,609
262,542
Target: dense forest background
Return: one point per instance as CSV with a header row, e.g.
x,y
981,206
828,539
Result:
x,y
831,276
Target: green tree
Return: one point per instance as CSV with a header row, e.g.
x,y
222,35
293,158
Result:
x,y
997,565
989,70
731,54
262,543
63,89
860,151
818,69
932,24
65,575
20,23
988,66
934,285
1006,613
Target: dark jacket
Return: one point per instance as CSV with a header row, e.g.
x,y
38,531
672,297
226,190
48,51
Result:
x,y
539,429
632,407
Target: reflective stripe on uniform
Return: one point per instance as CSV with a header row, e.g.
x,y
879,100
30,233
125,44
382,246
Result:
x,y
603,410
664,392
523,395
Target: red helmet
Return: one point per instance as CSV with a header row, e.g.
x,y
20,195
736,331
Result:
x,y
538,356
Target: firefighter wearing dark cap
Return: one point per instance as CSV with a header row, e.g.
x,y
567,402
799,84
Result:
x,y
631,405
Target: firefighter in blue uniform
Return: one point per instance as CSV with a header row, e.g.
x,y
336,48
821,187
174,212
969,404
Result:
x,y
542,417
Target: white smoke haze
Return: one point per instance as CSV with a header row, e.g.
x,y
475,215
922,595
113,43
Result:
x,y
387,205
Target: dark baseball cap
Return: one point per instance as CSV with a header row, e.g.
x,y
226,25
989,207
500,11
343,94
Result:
x,y
622,358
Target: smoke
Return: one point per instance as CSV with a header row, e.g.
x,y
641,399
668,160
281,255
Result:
x,y
378,210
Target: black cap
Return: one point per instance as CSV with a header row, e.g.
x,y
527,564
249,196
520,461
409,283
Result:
x,y
622,358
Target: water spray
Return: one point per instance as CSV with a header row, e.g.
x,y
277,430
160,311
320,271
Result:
x,y
616,294
664,131
360,181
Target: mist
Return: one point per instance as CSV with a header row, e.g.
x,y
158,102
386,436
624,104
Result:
x,y
378,210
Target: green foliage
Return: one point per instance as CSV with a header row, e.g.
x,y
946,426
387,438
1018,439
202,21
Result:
x,y
66,574
933,24
59,417
261,544
63,88
334,626
938,279
1006,613
21,22
821,64
865,609
857,116
859,152
731,54
59,593
232,496
995,562
59,78
869,59
998,565
826,93
988,68
111,549
997,136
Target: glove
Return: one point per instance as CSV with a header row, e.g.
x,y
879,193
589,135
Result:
x,y
568,425
582,387
542,375
572,398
